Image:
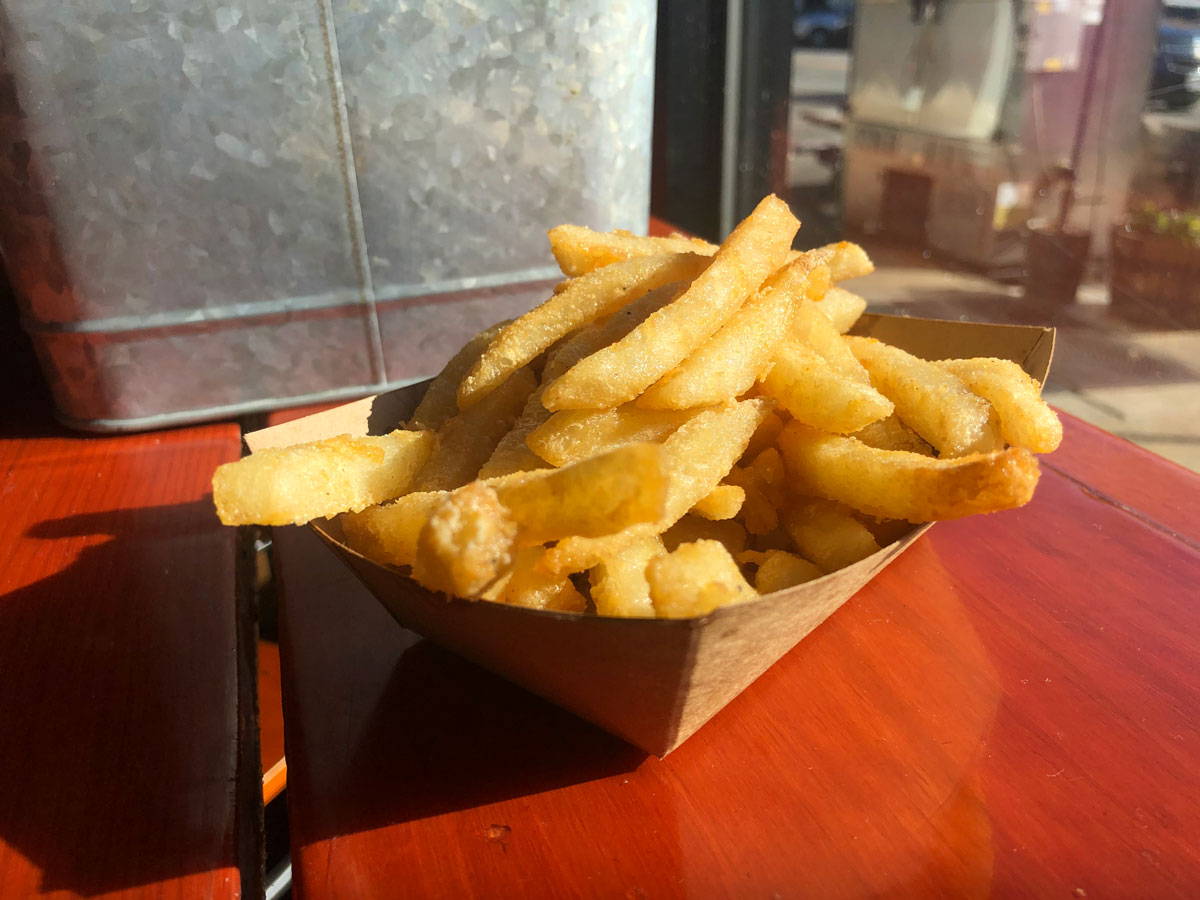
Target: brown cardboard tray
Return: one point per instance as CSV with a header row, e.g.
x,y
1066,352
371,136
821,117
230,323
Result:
x,y
653,682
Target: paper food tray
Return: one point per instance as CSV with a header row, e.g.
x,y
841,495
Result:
x,y
653,682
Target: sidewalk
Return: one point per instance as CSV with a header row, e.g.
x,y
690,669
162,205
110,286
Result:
x,y
1141,384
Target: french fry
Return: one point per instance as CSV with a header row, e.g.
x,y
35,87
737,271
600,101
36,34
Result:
x,y
466,544
811,327
892,434
529,585
579,250
892,484
934,403
695,579
590,297
389,533
765,435
294,485
619,585
698,455
440,401
618,373
731,360
511,454
467,440
722,502
592,498
574,434
842,307
848,260
813,392
828,534
727,532
1025,419
779,570
587,340
758,513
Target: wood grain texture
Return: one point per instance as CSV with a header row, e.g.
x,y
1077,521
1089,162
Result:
x,y
118,679
1143,482
1010,709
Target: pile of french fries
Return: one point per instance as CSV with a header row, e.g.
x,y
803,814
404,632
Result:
x,y
679,427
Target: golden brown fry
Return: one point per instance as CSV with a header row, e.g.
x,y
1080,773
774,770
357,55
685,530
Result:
x,y
765,435
619,373
729,533
529,585
580,250
731,360
934,403
778,570
389,533
619,586
1025,419
695,579
466,544
466,441
808,388
512,454
294,485
892,434
586,299
722,502
892,484
764,481
848,260
841,307
812,327
698,456
574,434
828,534
589,499
440,400
591,338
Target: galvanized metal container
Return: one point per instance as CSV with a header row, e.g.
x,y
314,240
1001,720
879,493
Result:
x,y
223,206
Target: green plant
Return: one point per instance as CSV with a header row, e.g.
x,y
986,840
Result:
x,y
1184,225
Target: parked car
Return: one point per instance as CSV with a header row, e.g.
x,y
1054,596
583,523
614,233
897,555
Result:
x,y
824,23
1176,79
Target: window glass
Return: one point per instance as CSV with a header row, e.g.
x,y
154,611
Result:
x,y
1020,162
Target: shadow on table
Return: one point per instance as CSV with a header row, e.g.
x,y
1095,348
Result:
x,y
385,728
447,736
118,699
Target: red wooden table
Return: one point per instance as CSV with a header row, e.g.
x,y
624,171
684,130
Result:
x,y
122,707
1011,709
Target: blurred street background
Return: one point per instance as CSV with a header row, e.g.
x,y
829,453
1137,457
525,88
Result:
x,y
1137,376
